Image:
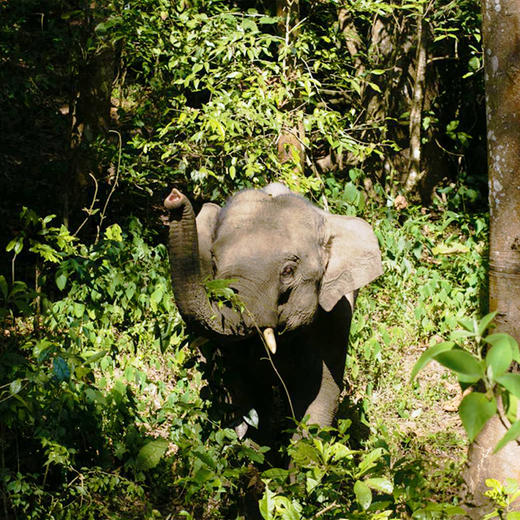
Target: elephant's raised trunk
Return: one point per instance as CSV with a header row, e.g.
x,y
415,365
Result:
x,y
190,295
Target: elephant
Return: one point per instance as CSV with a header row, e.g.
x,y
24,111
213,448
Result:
x,y
296,270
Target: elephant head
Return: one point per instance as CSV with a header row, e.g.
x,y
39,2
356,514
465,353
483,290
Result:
x,y
285,258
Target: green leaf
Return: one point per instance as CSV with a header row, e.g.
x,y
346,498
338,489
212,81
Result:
x,y
510,402
500,337
475,410
95,357
157,295
203,475
151,453
248,24
469,325
61,280
79,309
457,335
429,354
276,474
485,322
363,494
304,454
204,457
60,369
499,358
382,485
130,290
114,232
439,508
252,454
511,382
268,20
463,363
511,434
266,504
16,245
514,515
351,193
252,418
15,386
369,461
474,63
339,451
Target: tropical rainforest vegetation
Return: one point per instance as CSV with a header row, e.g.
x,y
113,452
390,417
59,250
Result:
x,y
366,107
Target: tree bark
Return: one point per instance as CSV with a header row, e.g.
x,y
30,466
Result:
x,y
501,28
93,74
414,169
90,117
501,35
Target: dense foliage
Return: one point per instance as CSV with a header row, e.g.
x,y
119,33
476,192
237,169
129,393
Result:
x,y
105,105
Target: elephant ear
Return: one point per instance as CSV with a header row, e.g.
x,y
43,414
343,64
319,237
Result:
x,y
354,258
206,222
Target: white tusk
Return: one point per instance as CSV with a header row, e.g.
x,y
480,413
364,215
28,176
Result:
x,y
270,339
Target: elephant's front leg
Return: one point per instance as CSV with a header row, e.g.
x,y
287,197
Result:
x,y
322,409
327,344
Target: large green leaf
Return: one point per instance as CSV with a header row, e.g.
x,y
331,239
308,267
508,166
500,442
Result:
x,y
383,485
511,382
500,338
429,354
363,494
499,358
369,461
151,453
461,362
485,322
266,504
475,410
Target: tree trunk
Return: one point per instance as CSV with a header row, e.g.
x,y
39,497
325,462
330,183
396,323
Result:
x,y
89,111
414,169
502,53
90,118
501,35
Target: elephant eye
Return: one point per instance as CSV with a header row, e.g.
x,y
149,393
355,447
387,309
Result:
x,y
288,271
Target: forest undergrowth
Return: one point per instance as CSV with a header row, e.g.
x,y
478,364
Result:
x,y
365,107
103,415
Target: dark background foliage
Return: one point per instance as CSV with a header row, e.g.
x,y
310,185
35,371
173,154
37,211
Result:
x,y
104,106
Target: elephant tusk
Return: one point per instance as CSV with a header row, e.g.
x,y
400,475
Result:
x,y
270,339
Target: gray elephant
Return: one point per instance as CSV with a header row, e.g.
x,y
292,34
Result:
x,y
296,269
